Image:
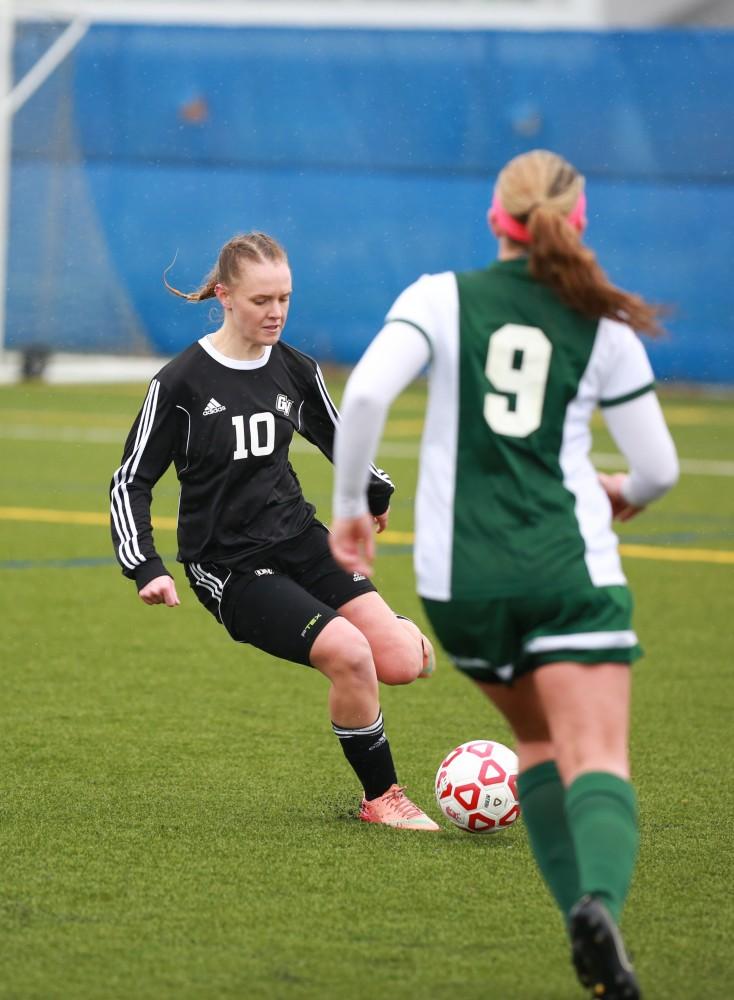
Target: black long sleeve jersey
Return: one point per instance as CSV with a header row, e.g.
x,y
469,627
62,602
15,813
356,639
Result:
x,y
227,427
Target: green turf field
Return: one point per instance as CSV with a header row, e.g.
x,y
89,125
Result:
x,y
177,820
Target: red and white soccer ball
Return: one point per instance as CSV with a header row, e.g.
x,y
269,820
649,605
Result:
x,y
476,786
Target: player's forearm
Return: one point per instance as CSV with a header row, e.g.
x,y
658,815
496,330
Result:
x,y
641,434
391,362
357,438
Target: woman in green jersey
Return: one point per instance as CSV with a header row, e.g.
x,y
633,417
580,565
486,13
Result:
x,y
516,560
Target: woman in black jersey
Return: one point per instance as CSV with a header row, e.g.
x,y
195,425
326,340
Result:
x,y
224,412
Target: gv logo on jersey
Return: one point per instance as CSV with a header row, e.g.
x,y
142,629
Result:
x,y
283,404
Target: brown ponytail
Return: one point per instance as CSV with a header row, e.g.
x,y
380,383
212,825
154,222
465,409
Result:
x,y
540,189
254,247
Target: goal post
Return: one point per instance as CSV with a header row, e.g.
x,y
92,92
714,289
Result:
x,y
13,97
6,81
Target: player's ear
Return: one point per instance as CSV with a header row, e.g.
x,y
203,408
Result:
x,y
492,224
222,293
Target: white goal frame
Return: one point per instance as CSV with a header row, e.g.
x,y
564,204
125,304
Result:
x,y
80,14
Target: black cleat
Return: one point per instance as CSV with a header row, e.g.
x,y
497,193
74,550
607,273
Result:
x,y
598,952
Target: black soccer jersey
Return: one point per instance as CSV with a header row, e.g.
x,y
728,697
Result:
x,y
227,426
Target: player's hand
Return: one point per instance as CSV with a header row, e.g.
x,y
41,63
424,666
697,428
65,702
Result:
x,y
161,590
381,521
622,509
353,543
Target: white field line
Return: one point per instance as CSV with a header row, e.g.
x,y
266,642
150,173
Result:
x,y
71,435
688,466
389,449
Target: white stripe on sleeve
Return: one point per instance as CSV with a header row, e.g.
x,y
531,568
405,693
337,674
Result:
x,y
129,550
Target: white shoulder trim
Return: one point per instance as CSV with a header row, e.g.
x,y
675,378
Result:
x,y
426,305
621,365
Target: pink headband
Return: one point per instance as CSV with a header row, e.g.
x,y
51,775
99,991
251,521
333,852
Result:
x,y
520,233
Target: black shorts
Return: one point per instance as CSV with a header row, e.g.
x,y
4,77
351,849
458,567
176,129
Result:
x,y
281,598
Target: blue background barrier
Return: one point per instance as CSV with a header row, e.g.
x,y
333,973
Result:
x,y
370,154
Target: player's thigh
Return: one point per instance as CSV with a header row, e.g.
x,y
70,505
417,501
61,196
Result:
x,y
522,706
591,625
310,562
579,645
343,654
587,707
397,650
275,614
479,637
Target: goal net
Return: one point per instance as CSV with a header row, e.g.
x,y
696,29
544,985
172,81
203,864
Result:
x,y
86,182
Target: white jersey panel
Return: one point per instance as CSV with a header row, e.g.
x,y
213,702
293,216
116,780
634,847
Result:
x,y
591,504
432,305
617,366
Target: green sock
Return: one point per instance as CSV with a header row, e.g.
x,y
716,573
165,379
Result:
x,y
602,815
543,801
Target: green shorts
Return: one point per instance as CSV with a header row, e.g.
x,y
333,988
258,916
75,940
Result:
x,y
499,639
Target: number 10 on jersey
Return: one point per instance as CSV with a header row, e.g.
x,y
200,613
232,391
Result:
x,y
262,435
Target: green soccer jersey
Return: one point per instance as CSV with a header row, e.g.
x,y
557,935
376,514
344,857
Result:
x,y
508,500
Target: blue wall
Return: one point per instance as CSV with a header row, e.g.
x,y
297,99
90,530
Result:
x,y
370,154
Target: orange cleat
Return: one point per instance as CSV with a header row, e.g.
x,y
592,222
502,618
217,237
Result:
x,y
394,808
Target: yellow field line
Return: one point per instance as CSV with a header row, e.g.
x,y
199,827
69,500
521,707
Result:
x,y
676,555
396,538
46,516
41,515
631,551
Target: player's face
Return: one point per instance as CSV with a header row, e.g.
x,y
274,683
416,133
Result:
x,y
257,304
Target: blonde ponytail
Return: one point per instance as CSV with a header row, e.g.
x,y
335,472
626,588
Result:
x,y
541,191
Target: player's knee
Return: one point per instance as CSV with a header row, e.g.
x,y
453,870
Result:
x,y
399,660
533,752
533,730
343,654
393,670
575,758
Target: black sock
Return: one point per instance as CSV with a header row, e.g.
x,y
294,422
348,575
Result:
x,y
368,751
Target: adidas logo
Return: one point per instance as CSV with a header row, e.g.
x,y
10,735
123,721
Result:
x,y
213,407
